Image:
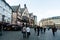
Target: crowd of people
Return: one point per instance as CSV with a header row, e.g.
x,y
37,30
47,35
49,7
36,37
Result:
x,y
26,30
39,29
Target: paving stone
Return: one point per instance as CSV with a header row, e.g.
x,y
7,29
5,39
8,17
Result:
x,y
17,35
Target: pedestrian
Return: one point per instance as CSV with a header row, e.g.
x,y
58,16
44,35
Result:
x,y
38,29
0,30
53,32
24,31
35,28
28,31
44,29
54,29
41,29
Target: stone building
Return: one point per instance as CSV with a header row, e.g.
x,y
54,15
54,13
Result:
x,y
5,14
51,21
6,11
16,16
20,15
31,19
25,14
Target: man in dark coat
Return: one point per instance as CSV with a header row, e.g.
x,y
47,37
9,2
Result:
x,y
54,29
38,29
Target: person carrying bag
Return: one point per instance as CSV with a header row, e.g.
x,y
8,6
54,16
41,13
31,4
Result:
x,y
24,32
28,32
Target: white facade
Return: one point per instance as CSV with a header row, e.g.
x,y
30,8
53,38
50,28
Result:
x,y
25,13
5,10
46,22
56,21
51,21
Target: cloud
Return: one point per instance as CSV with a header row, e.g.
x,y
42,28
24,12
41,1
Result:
x,y
53,13
47,14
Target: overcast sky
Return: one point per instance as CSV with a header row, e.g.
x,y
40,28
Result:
x,y
41,8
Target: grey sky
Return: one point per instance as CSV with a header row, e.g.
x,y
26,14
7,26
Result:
x,y
41,8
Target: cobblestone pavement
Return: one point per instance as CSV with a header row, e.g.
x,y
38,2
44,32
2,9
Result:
x,y
17,35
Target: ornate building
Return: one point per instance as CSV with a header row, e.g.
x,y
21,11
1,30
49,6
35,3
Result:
x,y
51,21
25,14
16,16
20,15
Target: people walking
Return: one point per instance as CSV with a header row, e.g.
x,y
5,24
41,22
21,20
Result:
x,y
41,29
35,29
54,29
44,29
24,31
28,31
38,29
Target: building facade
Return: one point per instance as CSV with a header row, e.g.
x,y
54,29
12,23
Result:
x,y
51,21
25,11
20,15
44,23
35,19
5,15
16,15
25,15
5,11
31,19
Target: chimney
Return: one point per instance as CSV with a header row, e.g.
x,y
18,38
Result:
x,y
25,6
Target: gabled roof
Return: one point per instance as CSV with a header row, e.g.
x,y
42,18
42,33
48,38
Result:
x,y
22,10
15,8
